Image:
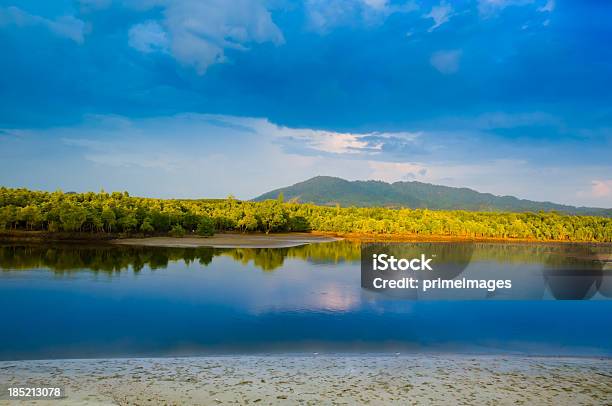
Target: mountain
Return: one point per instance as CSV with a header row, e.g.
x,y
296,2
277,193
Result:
x,y
330,191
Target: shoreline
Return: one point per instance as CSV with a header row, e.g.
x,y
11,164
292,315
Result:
x,y
330,355
315,379
256,240
361,237
231,240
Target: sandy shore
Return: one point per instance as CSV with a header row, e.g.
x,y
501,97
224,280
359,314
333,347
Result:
x,y
231,240
313,380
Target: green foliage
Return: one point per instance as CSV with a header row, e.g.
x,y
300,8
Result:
x,y
7,217
272,216
109,219
128,222
72,217
248,222
298,223
146,226
206,226
177,231
190,222
31,216
22,209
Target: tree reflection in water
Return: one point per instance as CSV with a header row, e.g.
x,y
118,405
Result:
x,y
570,271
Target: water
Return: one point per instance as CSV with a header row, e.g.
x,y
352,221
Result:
x,y
82,301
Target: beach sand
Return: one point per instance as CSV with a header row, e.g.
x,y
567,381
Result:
x,y
316,379
231,240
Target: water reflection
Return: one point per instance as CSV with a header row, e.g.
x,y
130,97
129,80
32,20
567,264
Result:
x,y
115,258
568,271
65,257
103,300
563,272
577,273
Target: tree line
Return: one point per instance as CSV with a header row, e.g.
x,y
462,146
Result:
x,y
118,212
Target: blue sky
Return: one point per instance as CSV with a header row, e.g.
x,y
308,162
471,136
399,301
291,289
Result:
x,y
203,98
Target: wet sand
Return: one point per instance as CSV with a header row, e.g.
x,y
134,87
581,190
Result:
x,y
231,240
314,380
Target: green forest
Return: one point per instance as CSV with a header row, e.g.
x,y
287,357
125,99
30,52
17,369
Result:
x,y
120,213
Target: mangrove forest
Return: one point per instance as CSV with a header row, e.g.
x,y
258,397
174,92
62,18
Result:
x,y
120,213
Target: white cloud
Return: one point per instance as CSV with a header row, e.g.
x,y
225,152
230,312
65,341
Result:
x,y
148,37
446,61
376,4
490,8
330,142
440,14
198,33
323,15
65,26
548,7
404,135
140,156
327,141
187,155
395,171
599,189
112,151
202,155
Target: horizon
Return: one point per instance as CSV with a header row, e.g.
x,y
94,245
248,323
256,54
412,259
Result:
x,y
254,198
193,99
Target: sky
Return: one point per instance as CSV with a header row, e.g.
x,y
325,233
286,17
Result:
x,y
206,98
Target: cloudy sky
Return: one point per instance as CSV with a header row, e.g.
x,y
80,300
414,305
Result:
x,y
203,98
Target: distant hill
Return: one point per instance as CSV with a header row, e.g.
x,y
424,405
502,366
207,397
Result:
x,y
331,191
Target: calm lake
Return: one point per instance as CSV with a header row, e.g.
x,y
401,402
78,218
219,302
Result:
x,y
82,301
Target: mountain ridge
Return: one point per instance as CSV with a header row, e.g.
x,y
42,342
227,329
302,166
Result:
x,y
331,191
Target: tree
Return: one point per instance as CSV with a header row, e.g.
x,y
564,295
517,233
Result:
x,y
23,209
206,226
31,216
109,220
128,222
146,226
94,218
190,221
248,222
160,221
7,217
271,216
72,217
298,223
177,231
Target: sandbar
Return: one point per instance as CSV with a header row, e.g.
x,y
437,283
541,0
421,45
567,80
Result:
x,y
231,240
